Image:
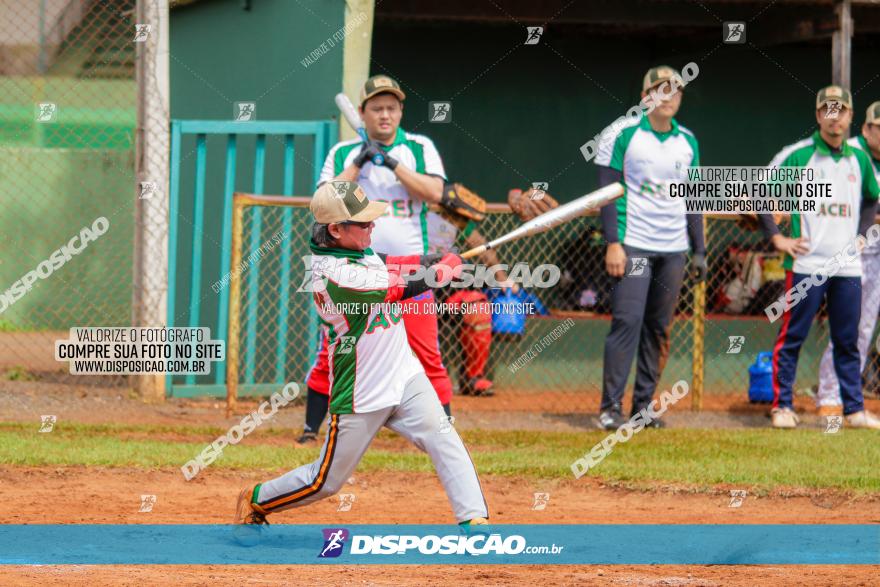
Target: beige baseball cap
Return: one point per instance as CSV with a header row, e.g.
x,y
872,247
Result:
x,y
381,84
341,201
834,94
660,74
873,114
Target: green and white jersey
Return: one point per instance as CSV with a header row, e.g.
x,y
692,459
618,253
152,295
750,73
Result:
x,y
402,230
443,235
859,142
369,356
647,217
835,224
782,155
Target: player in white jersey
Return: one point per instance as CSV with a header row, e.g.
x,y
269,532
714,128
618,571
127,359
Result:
x,y
410,177
822,259
648,236
375,380
445,231
828,396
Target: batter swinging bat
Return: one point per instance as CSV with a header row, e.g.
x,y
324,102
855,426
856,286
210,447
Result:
x,y
555,217
354,121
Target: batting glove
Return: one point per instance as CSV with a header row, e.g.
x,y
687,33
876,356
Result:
x,y
368,152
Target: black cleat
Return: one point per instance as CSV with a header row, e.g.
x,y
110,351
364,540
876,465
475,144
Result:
x,y
307,438
611,420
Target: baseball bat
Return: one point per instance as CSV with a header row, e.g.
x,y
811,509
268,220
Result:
x,y
354,121
552,218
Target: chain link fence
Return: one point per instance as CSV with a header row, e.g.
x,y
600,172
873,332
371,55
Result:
x,y
745,276
84,137
68,145
559,350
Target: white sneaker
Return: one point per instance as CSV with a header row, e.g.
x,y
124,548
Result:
x,y
863,419
784,418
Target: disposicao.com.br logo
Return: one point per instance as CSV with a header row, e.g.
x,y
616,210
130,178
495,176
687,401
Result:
x,y
451,544
334,542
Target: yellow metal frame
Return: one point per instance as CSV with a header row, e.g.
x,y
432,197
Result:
x,y
699,334
240,201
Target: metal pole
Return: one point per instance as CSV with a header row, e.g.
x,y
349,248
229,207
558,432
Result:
x,y
699,338
238,205
359,16
841,45
41,60
150,260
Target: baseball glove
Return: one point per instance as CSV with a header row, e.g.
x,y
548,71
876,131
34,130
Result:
x,y
459,222
530,203
462,202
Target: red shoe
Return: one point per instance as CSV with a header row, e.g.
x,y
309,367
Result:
x,y
477,386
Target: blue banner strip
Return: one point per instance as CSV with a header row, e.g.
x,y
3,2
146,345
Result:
x,y
434,544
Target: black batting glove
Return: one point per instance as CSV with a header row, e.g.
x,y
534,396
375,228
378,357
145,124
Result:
x,y
368,152
389,162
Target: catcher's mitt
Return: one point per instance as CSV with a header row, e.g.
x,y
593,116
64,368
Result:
x,y
530,203
462,202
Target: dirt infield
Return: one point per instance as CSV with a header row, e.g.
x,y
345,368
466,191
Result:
x,y
96,495
482,576
109,495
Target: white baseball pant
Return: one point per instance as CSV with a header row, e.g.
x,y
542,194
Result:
x,y
420,419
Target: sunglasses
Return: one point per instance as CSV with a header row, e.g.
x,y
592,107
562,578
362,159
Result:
x,y
363,225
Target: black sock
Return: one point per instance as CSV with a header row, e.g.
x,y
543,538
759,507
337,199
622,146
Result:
x,y
448,409
316,410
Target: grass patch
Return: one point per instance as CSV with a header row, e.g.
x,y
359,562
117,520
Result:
x,y
17,373
7,326
759,459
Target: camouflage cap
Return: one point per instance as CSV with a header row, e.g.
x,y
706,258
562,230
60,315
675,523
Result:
x,y
873,114
834,94
341,201
381,84
660,74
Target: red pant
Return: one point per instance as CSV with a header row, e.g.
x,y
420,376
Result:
x,y
423,337
475,334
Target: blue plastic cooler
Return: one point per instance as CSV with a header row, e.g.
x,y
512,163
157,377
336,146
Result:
x,y
761,379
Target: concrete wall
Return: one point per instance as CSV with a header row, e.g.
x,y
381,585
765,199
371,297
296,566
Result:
x,y
48,196
20,24
86,170
27,23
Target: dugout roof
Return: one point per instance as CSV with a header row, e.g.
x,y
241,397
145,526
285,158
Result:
x,y
782,21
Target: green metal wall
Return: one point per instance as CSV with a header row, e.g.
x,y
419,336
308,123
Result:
x,y
223,54
520,113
